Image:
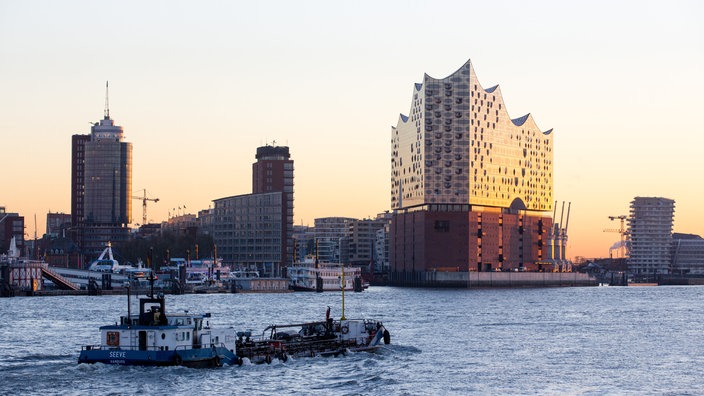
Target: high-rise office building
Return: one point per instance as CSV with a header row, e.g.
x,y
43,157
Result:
x,y
471,188
650,235
101,185
256,230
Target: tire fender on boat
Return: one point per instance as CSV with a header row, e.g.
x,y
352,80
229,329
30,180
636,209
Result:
x,y
267,359
387,337
178,360
345,329
283,357
216,361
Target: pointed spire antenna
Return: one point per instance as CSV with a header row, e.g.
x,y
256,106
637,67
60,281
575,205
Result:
x,y
107,102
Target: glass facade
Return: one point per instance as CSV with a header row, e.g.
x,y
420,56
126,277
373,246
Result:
x,y
101,186
459,146
108,182
470,186
248,231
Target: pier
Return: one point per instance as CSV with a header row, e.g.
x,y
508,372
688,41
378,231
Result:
x,y
20,275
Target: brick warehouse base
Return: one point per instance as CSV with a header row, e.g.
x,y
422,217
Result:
x,y
432,239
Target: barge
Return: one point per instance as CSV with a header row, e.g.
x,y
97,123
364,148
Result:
x,y
322,338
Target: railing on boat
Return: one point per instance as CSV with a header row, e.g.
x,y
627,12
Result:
x,y
148,348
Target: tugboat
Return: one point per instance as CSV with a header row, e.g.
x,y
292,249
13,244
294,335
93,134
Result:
x,y
153,338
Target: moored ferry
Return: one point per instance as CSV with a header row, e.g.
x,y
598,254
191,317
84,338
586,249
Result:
x,y
315,276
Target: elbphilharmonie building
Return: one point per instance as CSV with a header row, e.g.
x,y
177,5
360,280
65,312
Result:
x,y
471,187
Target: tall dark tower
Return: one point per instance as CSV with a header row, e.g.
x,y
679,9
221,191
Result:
x,y
101,185
273,172
78,159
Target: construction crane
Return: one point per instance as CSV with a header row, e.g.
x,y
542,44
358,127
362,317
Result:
x,y
621,230
144,204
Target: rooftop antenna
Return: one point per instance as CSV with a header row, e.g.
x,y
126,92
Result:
x,y
107,102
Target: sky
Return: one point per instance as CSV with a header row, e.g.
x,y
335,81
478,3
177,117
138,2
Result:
x,y
198,86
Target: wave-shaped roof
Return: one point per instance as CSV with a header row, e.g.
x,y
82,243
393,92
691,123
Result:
x,y
520,120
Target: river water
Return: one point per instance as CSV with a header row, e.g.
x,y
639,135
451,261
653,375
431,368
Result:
x,y
577,341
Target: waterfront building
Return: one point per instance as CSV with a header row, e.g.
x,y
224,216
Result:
x,y
184,224
255,230
471,188
381,249
361,240
687,254
11,226
56,223
248,231
303,242
329,236
146,231
650,235
101,186
205,221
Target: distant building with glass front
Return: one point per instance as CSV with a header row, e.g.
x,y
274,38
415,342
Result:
x,y
248,231
471,187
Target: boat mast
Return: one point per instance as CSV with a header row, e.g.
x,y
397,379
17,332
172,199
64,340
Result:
x,y
151,273
343,293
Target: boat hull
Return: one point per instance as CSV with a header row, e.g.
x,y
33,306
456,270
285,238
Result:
x,y
200,357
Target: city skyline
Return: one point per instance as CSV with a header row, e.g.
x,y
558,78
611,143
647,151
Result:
x,y
198,88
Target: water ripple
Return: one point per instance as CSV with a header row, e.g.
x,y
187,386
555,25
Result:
x,y
580,341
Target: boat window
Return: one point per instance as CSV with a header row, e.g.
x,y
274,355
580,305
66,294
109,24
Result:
x,y
113,338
